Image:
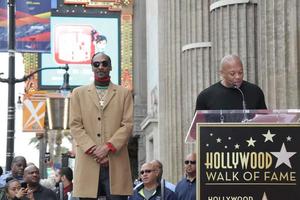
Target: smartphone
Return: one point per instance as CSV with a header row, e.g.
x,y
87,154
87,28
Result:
x,y
23,185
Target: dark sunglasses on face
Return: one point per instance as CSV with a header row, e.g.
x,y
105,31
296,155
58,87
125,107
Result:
x,y
147,171
98,64
192,162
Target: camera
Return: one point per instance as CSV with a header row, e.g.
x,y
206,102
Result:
x,y
23,185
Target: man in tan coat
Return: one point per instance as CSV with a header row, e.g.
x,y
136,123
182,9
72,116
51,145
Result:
x,y
101,124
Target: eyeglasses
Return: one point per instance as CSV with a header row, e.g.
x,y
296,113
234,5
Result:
x,y
98,64
192,162
147,171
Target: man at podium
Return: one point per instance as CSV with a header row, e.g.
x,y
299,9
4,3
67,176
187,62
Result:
x,y
232,92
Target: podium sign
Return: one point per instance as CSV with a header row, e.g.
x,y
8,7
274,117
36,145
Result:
x,y
248,161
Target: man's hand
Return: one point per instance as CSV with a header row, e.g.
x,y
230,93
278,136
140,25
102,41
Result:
x,y
30,194
21,193
101,152
91,150
104,162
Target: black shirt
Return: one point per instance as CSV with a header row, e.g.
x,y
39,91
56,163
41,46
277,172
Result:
x,y
219,97
42,193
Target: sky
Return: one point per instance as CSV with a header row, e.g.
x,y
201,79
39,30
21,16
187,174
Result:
x,y
21,145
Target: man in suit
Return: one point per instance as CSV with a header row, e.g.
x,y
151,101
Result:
x,y
101,122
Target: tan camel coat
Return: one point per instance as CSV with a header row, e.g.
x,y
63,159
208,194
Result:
x,y
92,125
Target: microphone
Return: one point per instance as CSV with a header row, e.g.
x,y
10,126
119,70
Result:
x,y
243,102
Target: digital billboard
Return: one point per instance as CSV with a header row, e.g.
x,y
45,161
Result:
x,y
73,41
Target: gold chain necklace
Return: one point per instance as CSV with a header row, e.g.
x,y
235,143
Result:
x,y
102,94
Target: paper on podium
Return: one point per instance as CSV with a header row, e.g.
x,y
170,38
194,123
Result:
x,y
279,118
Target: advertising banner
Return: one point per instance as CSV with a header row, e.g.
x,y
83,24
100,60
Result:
x,y
32,21
34,111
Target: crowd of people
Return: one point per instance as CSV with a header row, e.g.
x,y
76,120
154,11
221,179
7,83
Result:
x,y
23,182
153,186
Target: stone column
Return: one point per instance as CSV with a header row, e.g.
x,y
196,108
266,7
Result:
x,y
278,57
234,30
140,73
185,56
170,100
195,64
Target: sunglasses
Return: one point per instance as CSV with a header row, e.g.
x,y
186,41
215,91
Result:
x,y
192,162
147,171
98,64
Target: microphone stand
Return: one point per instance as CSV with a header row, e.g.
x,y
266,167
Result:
x,y
245,118
221,116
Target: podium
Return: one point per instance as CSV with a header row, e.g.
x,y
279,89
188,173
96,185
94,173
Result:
x,y
247,154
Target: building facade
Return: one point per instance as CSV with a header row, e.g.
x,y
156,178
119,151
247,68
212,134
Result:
x,y
178,45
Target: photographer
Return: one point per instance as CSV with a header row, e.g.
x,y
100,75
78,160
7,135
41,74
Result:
x,y
32,178
14,191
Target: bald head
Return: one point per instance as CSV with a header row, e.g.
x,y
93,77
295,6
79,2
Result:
x,y
229,59
190,165
30,168
32,175
191,156
158,166
231,71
